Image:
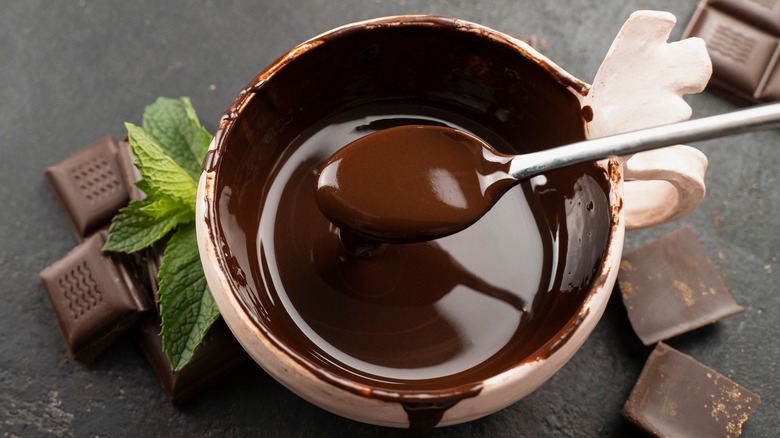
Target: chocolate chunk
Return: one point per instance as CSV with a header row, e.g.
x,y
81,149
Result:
x,y
88,186
763,14
742,41
219,354
94,296
678,396
130,173
670,287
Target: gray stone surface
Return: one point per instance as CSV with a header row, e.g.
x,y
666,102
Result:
x,y
72,71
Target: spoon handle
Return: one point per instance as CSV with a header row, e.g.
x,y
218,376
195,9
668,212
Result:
x,y
736,122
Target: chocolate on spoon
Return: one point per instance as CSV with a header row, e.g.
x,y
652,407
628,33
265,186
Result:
x,y
415,183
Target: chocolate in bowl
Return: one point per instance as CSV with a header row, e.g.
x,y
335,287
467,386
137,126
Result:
x,y
424,326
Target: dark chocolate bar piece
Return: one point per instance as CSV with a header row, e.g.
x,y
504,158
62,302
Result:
x,y
670,286
94,296
130,173
742,40
764,14
676,396
219,354
89,186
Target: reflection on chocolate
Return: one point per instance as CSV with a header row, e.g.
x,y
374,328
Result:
x,y
433,317
411,183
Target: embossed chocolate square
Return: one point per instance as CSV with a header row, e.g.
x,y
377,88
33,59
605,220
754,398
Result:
x,y
89,186
670,286
742,40
676,396
94,297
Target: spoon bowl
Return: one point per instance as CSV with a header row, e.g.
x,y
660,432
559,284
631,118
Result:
x,y
408,183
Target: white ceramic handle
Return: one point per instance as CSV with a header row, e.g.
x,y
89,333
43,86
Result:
x,y
640,84
662,185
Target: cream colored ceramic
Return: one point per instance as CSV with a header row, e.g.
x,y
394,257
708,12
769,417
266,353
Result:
x,y
640,84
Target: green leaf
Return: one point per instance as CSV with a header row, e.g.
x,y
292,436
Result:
x,y
161,175
200,139
173,124
168,152
186,304
132,230
161,207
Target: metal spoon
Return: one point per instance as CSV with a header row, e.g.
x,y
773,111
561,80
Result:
x,y
415,183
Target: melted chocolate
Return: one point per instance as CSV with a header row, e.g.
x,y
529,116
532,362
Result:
x,y
434,318
411,183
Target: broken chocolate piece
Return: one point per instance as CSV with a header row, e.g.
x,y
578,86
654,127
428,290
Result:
x,y
677,396
130,173
94,296
88,186
742,41
219,354
670,287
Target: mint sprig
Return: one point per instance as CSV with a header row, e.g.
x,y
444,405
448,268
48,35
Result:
x,y
186,304
168,152
173,124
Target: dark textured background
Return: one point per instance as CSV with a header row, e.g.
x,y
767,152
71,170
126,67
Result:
x,y
72,71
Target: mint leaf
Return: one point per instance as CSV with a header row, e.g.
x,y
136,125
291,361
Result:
x,y
161,175
168,151
162,207
132,230
200,139
173,124
186,304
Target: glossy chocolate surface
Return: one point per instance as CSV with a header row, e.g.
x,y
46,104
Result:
x,y
435,317
411,183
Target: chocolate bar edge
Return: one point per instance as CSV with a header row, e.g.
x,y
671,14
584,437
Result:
x,y
632,415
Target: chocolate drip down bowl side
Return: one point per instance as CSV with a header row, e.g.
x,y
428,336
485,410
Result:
x,y
424,334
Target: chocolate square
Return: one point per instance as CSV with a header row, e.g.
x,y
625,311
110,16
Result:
x,y
89,186
771,89
670,286
764,14
677,396
740,52
219,354
94,296
743,41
